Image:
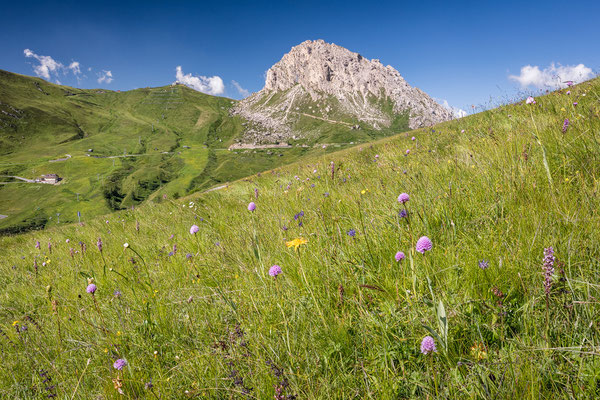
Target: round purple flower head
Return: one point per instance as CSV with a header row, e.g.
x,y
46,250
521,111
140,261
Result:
x,y
352,232
275,270
120,363
424,244
413,138
399,256
428,345
407,151
530,100
251,206
91,289
194,229
403,198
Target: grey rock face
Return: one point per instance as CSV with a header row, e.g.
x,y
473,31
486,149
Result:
x,y
317,72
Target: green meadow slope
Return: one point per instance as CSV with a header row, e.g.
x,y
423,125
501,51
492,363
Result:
x,y
199,316
145,143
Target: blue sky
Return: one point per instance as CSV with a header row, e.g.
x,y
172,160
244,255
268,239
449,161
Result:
x,y
459,51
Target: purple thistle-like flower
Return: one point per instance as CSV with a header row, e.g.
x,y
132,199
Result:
x,y
119,364
352,233
483,264
569,83
251,206
413,138
91,288
403,198
194,229
428,345
399,256
565,125
403,213
424,244
99,244
548,269
575,103
407,151
275,270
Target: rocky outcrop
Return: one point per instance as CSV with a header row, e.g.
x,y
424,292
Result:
x,y
318,79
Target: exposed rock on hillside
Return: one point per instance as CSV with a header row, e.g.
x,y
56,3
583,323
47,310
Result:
x,y
330,83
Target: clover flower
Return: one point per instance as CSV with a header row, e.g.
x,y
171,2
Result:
x,y
251,206
399,256
194,229
428,345
403,198
275,270
424,244
119,364
91,288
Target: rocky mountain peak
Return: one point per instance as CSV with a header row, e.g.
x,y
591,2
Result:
x,y
316,71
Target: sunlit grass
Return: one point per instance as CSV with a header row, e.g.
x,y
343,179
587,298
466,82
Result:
x,y
200,316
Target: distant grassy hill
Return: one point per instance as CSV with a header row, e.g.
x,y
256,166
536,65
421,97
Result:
x,y
508,292
145,143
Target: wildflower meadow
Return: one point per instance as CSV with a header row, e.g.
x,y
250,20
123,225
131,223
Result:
x,y
457,261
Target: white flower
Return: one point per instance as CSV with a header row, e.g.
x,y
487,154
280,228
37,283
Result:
x,y
126,245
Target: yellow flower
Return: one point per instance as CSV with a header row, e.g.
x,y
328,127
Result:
x,y
478,351
296,243
16,322
562,109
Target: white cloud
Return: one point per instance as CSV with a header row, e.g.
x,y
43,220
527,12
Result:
x,y
456,112
243,92
210,85
555,76
47,65
49,68
74,66
105,77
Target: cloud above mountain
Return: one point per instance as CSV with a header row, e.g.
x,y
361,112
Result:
x,y
205,84
51,69
105,77
553,77
47,65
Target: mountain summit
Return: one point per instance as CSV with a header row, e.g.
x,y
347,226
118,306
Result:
x,y
324,81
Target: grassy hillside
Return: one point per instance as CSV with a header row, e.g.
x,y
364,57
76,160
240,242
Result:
x,y
199,316
145,143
